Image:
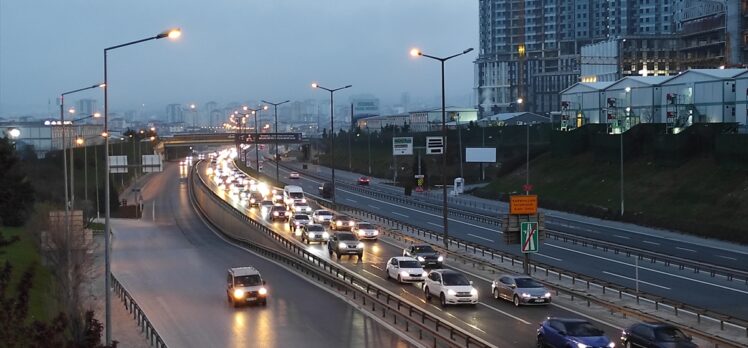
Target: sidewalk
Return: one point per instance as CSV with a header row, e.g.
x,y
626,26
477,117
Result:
x,y
124,328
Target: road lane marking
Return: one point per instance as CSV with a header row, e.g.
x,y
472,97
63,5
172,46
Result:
x,y
686,249
620,236
486,239
648,242
633,279
374,206
352,200
550,257
403,215
437,225
649,269
523,321
726,257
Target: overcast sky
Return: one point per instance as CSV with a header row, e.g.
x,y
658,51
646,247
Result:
x,y
231,50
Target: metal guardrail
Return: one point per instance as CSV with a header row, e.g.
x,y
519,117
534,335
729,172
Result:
x,y
440,330
668,260
145,325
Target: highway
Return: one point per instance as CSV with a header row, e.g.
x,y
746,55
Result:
x,y
175,268
497,322
658,241
700,290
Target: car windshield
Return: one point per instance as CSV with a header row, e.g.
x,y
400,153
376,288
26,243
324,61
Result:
x,y
300,217
345,236
410,264
526,283
424,249
267,202
315,228
366,226
279,208
296,195
582,329
324,212
455,279
248,280
669,334
342,218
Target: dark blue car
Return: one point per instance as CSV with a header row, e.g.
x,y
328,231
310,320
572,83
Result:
x,y
571,333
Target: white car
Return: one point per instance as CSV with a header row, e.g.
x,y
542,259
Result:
x,y
293,175
450,287
365,230
405,269
302,208
297,221
322,216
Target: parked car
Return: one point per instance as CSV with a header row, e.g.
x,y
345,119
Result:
x,y
450,286
314,233
425,254
405,269
364,180
521,290
322,216
365,230
245,285
565,332
297,221
342,222
655,335
345,243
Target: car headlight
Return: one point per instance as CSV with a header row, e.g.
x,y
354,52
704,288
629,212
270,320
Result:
x,y
376,232
338,223
451,292
582,345
350,223
303,200
263,291
547,295
404,274
421,259
275,213
296,223
425,274
238,293
612,344
474,292
441,258
524,294
325,235
342,245
360,245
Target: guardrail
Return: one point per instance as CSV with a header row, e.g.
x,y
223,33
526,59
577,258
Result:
x,y
145,325
441,331
668,260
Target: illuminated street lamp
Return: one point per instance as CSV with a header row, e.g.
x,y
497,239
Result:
x,y
416,53
332,132
172,34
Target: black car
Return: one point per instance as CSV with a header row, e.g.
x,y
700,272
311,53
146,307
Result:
x,y
278,212
326,190
342,222
345,243
655,335
425,254
255,198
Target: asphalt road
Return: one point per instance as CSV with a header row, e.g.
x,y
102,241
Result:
x,y
175,268
655,240
497,322
700,290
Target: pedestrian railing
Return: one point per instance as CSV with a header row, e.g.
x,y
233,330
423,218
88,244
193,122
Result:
x,y
146,328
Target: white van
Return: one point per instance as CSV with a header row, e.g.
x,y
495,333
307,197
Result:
x,y
293,193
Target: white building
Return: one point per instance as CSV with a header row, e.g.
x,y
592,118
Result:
x,y
701,95
376,123
637,96
429,120
584,102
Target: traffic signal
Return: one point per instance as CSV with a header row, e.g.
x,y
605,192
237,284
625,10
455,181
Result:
x,y
564,105
611,102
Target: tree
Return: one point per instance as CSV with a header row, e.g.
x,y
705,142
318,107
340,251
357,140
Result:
x,y
15,188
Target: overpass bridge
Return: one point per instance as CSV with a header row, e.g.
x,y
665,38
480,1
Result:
x,y
180,145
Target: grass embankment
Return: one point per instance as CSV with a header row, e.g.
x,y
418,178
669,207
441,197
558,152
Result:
x,y
22,254
698,197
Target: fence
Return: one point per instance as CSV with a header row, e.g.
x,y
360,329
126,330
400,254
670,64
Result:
x,y
133,308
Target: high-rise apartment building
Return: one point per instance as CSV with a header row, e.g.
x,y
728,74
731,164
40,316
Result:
x,y
532,49
174,113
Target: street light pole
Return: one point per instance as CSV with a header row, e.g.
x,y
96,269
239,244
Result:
x,y
172,34
332,132
368,140
275,138
256,113
445,220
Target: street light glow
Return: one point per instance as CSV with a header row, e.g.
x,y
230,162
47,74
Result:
x,y
192,106
15,133
315,85
104,134
628,89
97,114
520,100
153,129
79,141
175,33
102,85
71,110
415,52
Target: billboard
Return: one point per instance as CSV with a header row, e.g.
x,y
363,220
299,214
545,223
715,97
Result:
x,y
118,164
480,154
151,163
402,146
267,138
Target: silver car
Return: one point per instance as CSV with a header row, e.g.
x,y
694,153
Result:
x,y
322,216
521,290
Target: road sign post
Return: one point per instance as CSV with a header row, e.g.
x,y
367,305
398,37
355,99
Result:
x,y
529,239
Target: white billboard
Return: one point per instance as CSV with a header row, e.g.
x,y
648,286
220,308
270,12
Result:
x,y
402,146
480,154
118,164
152,163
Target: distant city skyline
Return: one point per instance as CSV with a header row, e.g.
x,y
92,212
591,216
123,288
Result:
x,y
365,44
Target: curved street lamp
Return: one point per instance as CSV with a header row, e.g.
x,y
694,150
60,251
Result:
x,y
332,132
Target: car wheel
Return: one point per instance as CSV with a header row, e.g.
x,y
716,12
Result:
x,y
265,302
516,301
541,342
496,293
628,344
442,300
329,252
339,256
360,256
398,279
386,274
426,293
